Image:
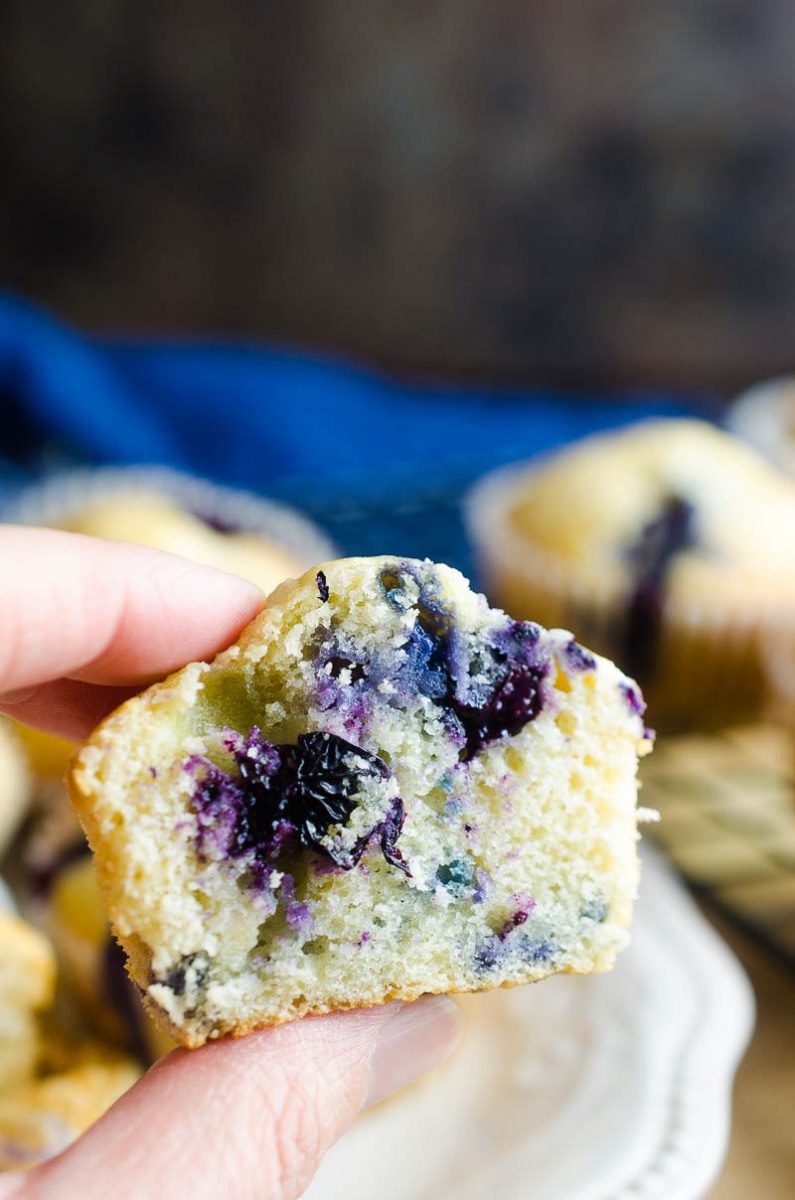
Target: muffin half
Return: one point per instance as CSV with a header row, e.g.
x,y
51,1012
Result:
x,y
384,788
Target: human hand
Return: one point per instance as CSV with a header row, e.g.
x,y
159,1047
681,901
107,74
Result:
x,y
83,625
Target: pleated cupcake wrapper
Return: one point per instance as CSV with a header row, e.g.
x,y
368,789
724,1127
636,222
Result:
x,y
538,585
716,664
778,652
764,416
63,495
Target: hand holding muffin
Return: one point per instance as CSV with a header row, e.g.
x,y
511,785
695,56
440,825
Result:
x,y
97,619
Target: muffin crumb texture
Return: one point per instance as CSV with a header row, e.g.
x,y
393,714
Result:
x,y
384,788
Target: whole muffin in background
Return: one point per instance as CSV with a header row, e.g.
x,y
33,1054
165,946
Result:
x,y
241,532
14,784
669,546
157,520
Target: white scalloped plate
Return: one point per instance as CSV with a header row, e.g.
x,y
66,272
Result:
x,y
613,1087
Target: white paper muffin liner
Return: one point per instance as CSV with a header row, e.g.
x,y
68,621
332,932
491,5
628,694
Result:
x,y
15,789
764,416
62,495
713,654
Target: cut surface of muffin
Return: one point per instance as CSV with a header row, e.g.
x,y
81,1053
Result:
x,y
384,788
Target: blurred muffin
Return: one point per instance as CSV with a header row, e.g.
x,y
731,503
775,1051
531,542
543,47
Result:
x,y
57,887
27,983
235,531
151,519
14,784
669,546
40,1116
53,1083
47,755
765,417
92,963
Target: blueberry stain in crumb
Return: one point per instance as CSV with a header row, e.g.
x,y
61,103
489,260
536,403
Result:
x,y
509,692
579,658
291,793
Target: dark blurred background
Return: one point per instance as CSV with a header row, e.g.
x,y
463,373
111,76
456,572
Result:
x,y
559,192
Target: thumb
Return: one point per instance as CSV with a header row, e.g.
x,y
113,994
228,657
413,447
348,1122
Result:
x,y
248,1117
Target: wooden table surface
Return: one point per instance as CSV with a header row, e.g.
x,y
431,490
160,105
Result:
x,y
760,1164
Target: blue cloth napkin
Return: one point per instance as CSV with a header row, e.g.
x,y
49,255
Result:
x,y
352,446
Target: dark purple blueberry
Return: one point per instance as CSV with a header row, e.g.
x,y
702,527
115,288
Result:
x,y
579,658
670,533
517,700
292,791
524,906
176,978
389,831
322,587
489,688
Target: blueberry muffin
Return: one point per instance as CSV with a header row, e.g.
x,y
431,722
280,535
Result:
x,y
154,519
764,416
53,877
51,1086
40,1116
90,959
47,756
669,545
56,885
236,531
14,783
27,982
384,788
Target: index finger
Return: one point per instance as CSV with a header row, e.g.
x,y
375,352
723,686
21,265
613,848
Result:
x,y
107,612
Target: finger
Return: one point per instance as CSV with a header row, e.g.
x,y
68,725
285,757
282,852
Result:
x,y
252,1117
108,612
66,707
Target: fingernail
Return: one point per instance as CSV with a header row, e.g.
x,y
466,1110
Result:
x,y
415,1038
